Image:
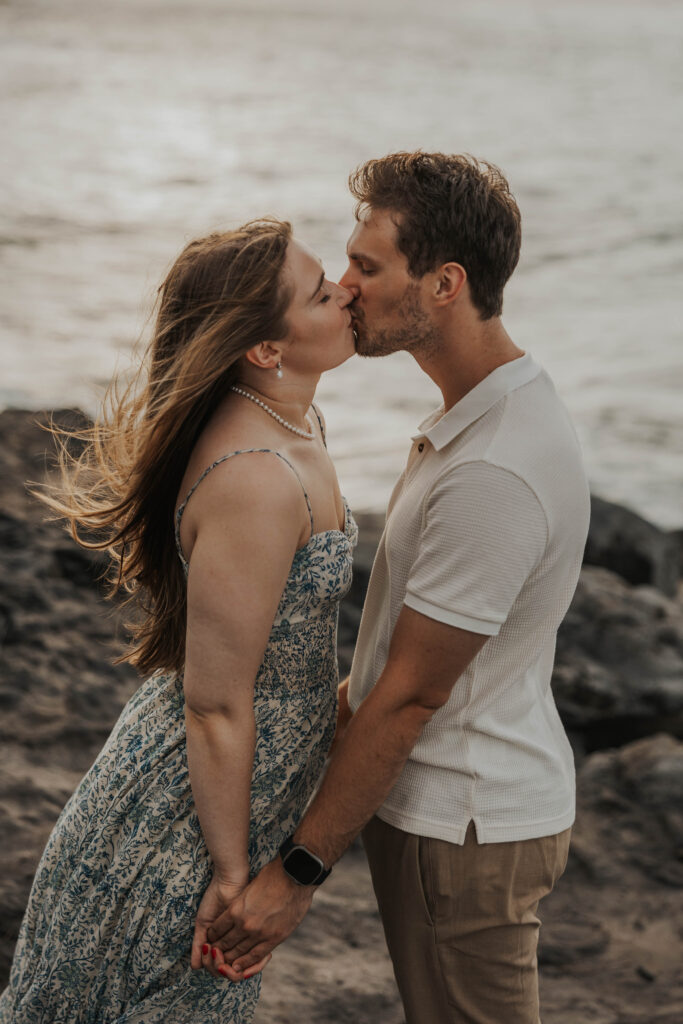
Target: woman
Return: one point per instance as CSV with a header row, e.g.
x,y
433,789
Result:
x,y
213,760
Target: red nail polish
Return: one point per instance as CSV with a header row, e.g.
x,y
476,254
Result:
x,y
205,949
213,953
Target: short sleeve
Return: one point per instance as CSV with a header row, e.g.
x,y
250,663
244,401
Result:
x,y
484,532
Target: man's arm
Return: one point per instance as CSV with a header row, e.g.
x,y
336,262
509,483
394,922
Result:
x,y
425,658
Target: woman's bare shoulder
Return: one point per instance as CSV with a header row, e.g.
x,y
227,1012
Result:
x,y
242,492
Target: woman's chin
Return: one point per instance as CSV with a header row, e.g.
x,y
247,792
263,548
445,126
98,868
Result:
x,y
343,357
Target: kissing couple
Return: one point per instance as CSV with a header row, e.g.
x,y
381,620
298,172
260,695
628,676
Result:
x,y
197,840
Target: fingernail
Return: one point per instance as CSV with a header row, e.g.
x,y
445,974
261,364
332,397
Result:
x,y
205,949
213,953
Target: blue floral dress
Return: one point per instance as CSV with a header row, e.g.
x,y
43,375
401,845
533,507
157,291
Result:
x,y
107,933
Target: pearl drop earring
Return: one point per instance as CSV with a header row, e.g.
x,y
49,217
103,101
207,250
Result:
x,y
279,373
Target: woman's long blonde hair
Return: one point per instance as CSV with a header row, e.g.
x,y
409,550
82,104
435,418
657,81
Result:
x,y
224,294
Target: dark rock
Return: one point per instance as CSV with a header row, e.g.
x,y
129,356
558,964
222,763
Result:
x,y
619,663
370,528
6,625
619,906
59,691
345,656
677,538
621,540
566,942
79,565
630,815
27,451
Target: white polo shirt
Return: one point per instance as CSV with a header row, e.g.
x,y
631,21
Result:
x,y
485,531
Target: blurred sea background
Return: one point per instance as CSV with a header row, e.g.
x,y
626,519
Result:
x,y
131,127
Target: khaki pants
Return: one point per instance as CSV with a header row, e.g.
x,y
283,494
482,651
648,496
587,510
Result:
x,y
460,921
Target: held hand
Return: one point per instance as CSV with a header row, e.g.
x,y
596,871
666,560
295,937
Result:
x,y
344,715
261,917
217,898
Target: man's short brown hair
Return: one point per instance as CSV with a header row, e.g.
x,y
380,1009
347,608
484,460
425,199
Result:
x,y
448,209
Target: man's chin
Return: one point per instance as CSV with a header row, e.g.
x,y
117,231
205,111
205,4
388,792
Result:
x,y
368,346
370,349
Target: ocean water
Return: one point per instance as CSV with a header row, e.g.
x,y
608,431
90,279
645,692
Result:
x,y
131,127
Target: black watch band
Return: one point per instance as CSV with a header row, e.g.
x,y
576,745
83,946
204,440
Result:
x,y
302,866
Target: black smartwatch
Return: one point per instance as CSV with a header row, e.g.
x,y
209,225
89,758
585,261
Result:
x,y
302,866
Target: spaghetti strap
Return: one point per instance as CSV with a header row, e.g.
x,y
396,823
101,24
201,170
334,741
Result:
x,y
224,458
314,407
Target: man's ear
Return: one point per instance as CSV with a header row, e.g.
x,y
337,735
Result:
x,y
450,280
266,355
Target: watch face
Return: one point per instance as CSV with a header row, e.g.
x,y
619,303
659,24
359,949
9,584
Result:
x,y
302,866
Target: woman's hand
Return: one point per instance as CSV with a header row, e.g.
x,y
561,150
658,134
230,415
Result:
x,y
344,715
217,899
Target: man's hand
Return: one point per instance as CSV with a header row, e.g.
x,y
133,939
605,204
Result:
x,y
261,917
217,898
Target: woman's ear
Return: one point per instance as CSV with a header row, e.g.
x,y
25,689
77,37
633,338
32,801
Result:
x,y
450,281
266,355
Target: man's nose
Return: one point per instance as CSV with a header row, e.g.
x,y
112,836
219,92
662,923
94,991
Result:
x,y
346,281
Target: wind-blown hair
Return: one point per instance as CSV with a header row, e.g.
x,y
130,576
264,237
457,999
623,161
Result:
x,y
224,294
447,209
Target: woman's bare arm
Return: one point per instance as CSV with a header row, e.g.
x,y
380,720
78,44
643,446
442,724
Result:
x,y
247,521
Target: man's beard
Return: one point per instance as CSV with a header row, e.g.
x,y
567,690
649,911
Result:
x,y
415,333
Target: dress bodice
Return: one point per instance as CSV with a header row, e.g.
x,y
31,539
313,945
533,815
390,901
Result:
x,y
320,575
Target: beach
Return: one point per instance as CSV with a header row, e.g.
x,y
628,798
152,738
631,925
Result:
x,y
611,940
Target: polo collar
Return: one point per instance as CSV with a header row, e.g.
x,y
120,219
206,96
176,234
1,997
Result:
x,y
440,428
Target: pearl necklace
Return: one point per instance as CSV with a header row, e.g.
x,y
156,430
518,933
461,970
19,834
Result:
x,y
271,412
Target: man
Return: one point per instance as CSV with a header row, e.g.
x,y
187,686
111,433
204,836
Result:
x,y
454,764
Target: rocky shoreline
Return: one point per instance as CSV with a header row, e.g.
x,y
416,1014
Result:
x,y
612,940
